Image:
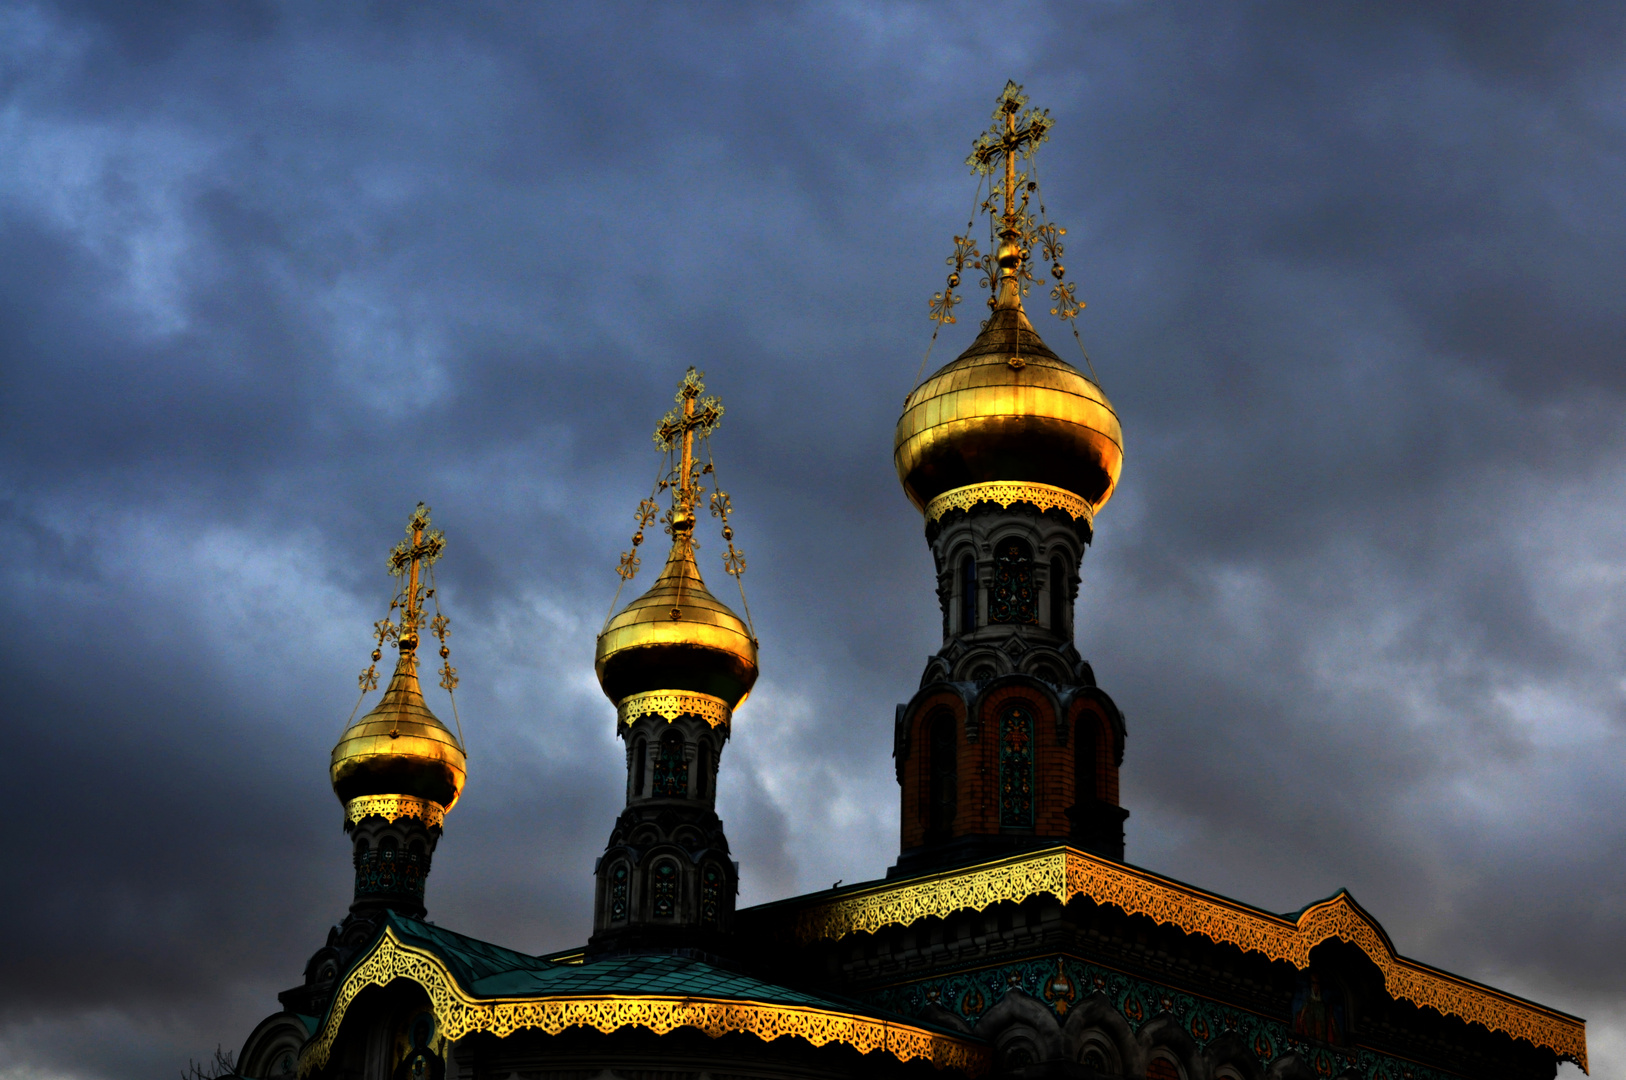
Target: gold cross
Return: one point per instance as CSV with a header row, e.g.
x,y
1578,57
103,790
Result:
x,y
421,547
1009,137
678,428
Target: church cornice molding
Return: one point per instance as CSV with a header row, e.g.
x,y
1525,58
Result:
x,y
457,1014
1066,874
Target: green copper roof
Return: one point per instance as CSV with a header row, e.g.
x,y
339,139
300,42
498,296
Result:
x,y
484,970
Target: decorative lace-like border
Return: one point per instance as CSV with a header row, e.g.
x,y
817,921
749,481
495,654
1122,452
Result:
x,y
1006,492
392,807
457,1014
673,704
1065,873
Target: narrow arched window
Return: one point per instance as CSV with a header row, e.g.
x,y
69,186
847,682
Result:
x,y
702,769
1058,596
968,594
943,762
1084,760
640,753
663,890
1012,598
711,894
619,877
1016,768
671,768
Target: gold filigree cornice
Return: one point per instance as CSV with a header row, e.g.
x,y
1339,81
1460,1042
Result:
x,y
672,704
1004,493
393,807
457,1014
1065,874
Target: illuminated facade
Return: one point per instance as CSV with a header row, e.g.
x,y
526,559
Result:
x,y
1010,938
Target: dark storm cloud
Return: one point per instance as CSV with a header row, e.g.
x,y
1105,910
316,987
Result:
x,y
270,274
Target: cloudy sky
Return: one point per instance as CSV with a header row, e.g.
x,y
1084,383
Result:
x,y
269,275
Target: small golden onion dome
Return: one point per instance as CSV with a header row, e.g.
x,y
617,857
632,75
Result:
x,y
677,636
400,748
1008,409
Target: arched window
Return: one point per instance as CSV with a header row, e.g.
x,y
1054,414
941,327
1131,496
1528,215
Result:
x,y
711,894
968,594
1016,768
1161,1068
640,753
619,875
671,769
942,759
1013,599
1084,760
1059,600
663,889
702,769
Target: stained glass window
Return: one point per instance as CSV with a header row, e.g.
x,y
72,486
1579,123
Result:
x,y
711,892
1016,768
640,751
1013,599
663,890
618,892
671,769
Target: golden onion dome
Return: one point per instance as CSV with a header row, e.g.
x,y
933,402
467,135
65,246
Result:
x,y
400,748
1008,409
677,636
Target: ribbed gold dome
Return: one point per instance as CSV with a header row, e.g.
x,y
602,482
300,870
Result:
x,y
400,748
677,636
983,418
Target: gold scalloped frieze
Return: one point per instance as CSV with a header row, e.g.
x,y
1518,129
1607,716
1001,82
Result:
x,y
392,807
672,704
457,1015
1065,874
1006,492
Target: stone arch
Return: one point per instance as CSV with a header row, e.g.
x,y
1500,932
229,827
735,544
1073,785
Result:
x,y
1163,1038
1095,1021
1018,1018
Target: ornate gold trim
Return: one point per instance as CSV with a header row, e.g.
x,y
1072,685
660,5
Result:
x,y
672,704
392,807
1065,874
457,1014
1006,492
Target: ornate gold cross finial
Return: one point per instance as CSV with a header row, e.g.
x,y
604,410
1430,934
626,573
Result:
x,y
694,418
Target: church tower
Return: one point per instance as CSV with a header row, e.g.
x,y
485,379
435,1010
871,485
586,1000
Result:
x,y
676,662
1009,452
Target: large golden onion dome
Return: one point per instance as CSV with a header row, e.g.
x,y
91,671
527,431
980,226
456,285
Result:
x,y
1009,421
1008,409
677,636
400,748
400,752
678,640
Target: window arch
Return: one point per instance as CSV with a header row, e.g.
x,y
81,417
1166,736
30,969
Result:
x,y
942,763
640,754
1013,599
671,767
663,882
1016,768
968,594
1059,600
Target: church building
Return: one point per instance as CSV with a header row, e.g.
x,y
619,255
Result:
x,y
1010,939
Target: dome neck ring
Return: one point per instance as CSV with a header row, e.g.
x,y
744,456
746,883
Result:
x,y
1005,492
672,704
